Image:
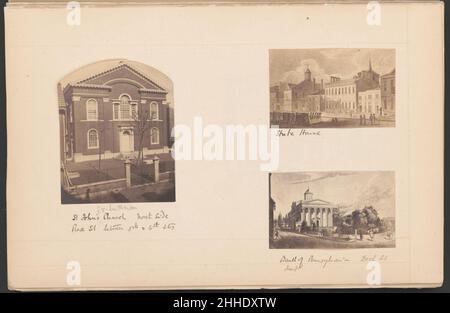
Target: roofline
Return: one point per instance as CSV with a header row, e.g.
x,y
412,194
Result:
x,y
92,86
116,68
341,82
318,200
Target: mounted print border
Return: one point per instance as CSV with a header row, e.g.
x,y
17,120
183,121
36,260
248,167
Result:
x,y
115,121
332,88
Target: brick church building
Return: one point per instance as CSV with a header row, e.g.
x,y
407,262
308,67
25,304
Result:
x,y
100,114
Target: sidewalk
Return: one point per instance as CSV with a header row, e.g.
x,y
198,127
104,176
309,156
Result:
x,y
356,116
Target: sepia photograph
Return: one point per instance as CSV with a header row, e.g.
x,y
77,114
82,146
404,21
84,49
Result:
x,y
115,121
332,210
332,88
190,149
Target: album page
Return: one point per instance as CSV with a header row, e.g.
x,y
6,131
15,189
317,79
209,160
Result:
x,y
224,146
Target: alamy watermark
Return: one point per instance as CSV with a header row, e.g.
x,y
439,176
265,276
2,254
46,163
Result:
x,y
373,277
373,17
73,17
73,276
226,143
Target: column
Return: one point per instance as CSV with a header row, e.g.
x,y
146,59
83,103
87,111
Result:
x,y
128,172
313,215
308,216
324,217
319,217
156,168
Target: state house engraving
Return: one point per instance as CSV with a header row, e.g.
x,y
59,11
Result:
x,y
332,88
332,210
115,120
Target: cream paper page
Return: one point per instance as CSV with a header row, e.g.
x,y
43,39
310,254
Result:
x,y
216,232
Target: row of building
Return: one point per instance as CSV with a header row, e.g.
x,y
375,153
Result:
x,y
367,92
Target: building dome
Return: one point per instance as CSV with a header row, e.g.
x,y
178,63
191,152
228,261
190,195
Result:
x,y
308,195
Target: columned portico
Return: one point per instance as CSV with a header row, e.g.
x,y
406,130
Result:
x,y
314,212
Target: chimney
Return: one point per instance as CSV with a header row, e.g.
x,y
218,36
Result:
x,y
321,83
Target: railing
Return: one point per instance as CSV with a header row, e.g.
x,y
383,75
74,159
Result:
x,y
68,185
294,118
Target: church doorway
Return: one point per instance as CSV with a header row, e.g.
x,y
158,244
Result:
x,y
126,141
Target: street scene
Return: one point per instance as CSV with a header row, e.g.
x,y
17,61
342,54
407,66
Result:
x,y
359,210
332,88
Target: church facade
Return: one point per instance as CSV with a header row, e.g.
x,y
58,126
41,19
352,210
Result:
x,y
105,114
313,213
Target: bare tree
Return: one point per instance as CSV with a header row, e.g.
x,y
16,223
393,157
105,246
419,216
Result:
x,y
100,144
142,125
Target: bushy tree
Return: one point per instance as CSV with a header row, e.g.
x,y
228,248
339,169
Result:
x,y
359,220
343,223
372,216
367,218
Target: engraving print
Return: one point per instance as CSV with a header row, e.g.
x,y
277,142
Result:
x,y
115,121
332,210
332,88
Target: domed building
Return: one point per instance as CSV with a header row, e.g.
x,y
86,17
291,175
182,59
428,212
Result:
x,y
314,213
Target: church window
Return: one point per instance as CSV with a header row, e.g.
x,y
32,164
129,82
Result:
x,y
154,111
124,109
91,110
92,139
154,136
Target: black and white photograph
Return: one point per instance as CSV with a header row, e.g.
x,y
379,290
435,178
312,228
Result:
x,y
332,88
115,121
332,210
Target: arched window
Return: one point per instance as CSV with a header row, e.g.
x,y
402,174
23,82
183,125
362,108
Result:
x,y
154,136
154,111
125,112
92,139
91,110
124,99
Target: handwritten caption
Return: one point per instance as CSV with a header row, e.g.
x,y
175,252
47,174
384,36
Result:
x,y
297,132
121,218
296,263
